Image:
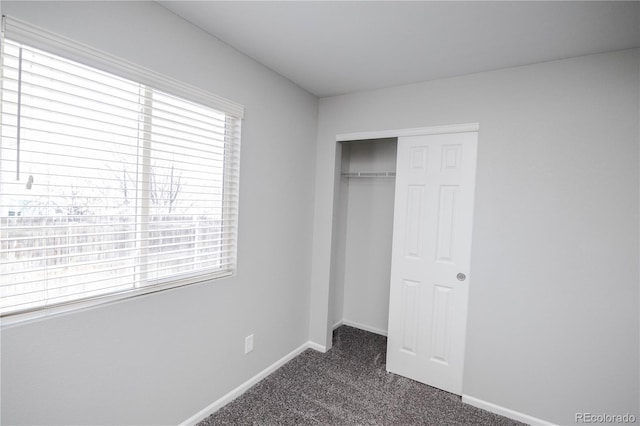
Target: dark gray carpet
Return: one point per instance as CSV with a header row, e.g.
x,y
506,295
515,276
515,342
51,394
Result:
x,y
348,385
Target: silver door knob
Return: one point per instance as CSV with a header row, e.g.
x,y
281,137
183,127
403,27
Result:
x,y
461,277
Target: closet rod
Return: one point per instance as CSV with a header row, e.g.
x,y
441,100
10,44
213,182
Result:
x,y
369,174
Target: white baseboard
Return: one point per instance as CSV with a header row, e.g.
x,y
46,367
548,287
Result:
x,y
363,327
316,346
216,405
506,412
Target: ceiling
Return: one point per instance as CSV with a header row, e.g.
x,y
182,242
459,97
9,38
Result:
x,y
336,47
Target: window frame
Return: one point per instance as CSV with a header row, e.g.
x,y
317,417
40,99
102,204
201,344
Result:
x,y
25,33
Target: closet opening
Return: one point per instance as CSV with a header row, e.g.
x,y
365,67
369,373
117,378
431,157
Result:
x,y
363,229
401,245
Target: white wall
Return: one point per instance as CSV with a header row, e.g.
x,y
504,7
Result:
x,y
362,289
161,358
553,311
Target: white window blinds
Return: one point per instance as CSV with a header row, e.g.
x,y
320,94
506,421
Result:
x,y
108,185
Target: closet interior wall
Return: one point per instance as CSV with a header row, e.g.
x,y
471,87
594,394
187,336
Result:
x,y
362,251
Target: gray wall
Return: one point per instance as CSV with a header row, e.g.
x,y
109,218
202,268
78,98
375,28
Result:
x,y
553,311
161,358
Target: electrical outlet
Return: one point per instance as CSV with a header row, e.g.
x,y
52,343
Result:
x,y
248,344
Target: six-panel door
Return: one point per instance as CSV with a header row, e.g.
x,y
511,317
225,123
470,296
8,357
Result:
x,y
435,179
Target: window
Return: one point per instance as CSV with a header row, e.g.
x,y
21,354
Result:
x,y
108,186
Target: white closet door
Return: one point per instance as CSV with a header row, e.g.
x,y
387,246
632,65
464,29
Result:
x,y
435,178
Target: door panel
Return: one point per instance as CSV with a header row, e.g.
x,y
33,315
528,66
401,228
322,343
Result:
x,y
410,316
435,178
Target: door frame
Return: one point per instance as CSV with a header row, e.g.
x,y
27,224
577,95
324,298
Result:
x,y
416,131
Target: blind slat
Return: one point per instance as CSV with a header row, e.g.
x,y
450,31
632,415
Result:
x,y
111,170
102,234
197,240
104,89
31,108
231,218
49,269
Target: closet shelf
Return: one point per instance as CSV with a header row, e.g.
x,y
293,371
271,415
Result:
x,y
369,174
